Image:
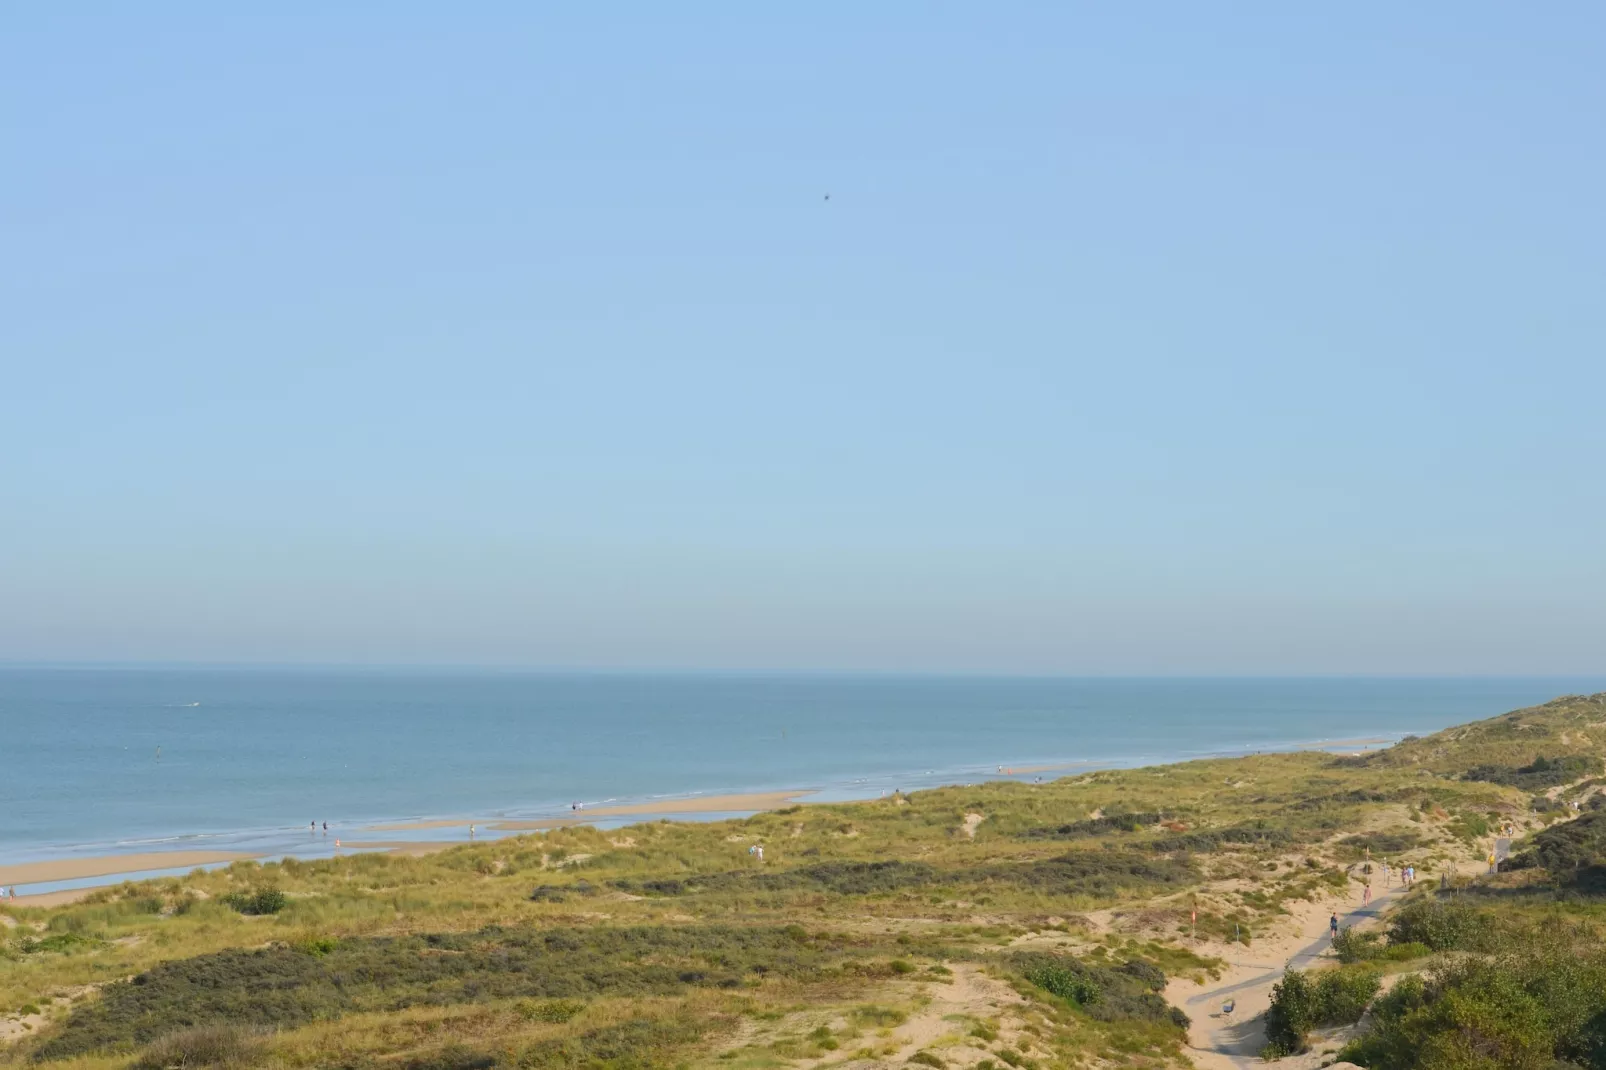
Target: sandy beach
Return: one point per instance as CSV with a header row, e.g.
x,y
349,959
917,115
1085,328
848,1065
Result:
x,y
704,804
696,804
66,869
534,824
411,848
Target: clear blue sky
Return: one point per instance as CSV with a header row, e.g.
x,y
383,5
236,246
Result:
x,y
1133,338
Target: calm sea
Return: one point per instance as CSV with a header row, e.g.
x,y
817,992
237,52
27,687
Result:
x,y
248,757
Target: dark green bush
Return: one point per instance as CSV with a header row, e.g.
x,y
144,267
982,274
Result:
x,y
1103,825
1343,994
1541,773
1539,1007
1292,1014
1107,993
261,901
1567,847
1440,926
1303,1001
1352,946
1355,947
1058,980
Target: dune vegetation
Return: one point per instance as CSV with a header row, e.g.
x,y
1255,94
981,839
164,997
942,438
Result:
x,y
992,925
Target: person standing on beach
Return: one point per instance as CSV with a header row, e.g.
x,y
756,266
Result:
x,y
1366,895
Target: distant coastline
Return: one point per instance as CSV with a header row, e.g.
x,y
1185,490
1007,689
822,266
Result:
x,y
405,760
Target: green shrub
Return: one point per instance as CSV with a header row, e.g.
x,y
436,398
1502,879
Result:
x,y
316,946
1058,980
262,901
1342,995
60,943
1539,774
1103,825
1383,844
1128,992
1440,926
1302,1001
552,1010
1537,1007
1291,1016
1352,946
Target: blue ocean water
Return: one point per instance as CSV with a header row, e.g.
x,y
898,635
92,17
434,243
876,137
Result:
x,y
249,756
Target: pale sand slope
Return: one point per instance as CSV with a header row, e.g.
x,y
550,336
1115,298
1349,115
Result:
x,y
1219,1041
66,869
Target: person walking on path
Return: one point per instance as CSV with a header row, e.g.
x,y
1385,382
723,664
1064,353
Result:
x,y
1366,896
1332,926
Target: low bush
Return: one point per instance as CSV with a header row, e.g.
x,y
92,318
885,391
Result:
x,y
1567,847
1103,825
1100,874
1383,844
1441,926
261,901
1539,774
1214,839
223,1046
1354,947
1107,993
280,986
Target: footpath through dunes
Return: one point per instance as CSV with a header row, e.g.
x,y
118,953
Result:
x,y
1220,1039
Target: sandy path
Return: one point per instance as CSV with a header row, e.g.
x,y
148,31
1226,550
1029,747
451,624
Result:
x,y
1219,1041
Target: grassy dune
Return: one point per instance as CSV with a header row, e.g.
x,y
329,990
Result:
x,y
1002,924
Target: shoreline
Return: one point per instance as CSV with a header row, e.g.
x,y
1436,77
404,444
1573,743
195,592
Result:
x,y
86,870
